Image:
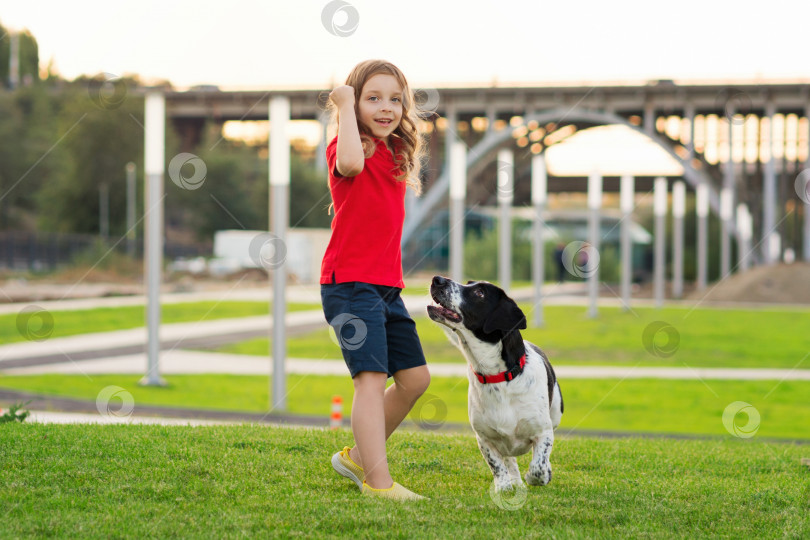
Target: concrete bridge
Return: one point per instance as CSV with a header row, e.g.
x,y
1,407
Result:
x,y
511,128
746,143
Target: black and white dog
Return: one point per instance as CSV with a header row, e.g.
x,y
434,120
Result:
x,y
514,400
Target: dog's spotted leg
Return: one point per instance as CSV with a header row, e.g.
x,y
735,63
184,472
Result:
x,y
539,473
503,480
514,471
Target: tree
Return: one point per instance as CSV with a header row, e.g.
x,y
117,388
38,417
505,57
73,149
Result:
x,y
93,146
28,58
235,192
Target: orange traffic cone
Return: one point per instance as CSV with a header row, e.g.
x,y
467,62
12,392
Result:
x,y
337,412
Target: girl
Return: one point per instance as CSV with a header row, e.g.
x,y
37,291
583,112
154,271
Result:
x,y
375,155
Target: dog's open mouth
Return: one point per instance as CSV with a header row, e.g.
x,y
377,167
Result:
x,y
443,313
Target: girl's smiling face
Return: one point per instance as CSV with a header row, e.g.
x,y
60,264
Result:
x,y
380,106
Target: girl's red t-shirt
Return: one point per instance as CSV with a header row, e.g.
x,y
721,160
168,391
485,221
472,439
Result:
x,y
367,226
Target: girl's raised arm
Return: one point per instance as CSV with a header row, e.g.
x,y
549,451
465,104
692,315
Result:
x,y
350,156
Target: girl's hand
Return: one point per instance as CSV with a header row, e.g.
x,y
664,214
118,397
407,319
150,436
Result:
x,y
343,96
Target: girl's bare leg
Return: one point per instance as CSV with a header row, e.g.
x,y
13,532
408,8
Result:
x,y
397,402
368,427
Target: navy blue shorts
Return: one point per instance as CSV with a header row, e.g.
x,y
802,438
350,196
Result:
x,y
373,329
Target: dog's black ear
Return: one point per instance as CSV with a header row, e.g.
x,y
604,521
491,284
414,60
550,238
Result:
x,y
506,316
470,281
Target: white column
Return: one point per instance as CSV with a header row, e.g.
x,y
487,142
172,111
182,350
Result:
x,y
649,117
131,195
458,194
748,235
726,215
279,220
506,194
539,199
678,211
450,130
492,117
104,211
154,161
592,270
702,211
806,197
627,199
744,226
769,240
660,213
690,147
729,187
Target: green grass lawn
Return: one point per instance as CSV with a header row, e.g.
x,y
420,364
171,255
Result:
x,y
630,405
705,338
69,323
263,482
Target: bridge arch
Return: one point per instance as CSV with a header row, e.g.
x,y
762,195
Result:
x,y
494,140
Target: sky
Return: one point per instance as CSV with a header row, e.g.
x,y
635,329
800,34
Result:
x,y
269,44
314,43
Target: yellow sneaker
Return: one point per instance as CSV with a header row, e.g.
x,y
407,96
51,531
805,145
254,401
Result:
x,y
344,466
395,492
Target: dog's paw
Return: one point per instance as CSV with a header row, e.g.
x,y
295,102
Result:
x,y
504,485
538,477
511,498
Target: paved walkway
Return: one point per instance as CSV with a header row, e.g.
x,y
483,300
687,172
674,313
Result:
x,y
122,351
295,293
50,417
190,334
178,362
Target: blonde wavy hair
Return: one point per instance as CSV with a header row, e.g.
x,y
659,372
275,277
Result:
x,y
406,140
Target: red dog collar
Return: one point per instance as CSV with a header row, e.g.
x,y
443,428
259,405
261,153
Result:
x,y
503,375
